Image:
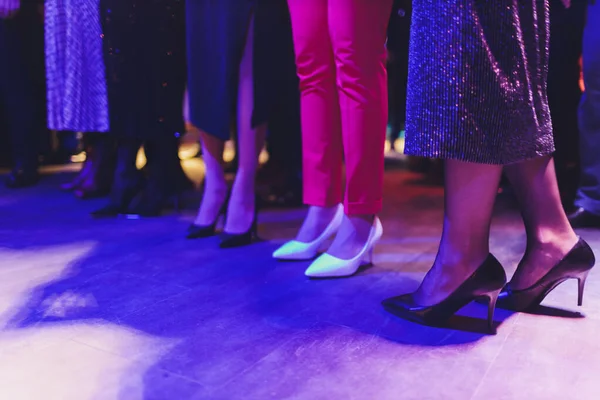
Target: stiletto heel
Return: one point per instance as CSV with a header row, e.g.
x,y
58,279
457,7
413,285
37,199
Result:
x,y
581,285
492,299
230,240
298,251
328,266
204,231
575,265
368,260
487,281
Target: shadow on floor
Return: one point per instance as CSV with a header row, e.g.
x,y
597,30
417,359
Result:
x,y
229,310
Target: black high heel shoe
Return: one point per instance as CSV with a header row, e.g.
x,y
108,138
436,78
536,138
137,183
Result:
x,y
486,283
230,240
204,231
575,265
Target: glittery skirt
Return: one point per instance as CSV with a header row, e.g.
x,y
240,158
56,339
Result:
x,y
477,81
75,74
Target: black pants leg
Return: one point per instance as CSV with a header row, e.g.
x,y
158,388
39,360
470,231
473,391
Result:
x,y
564,92
275,65
398,39
17,99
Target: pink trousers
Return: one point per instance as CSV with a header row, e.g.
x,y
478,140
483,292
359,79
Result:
x,y
340,59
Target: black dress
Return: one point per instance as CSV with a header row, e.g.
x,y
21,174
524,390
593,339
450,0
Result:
x,y
216,36
144,44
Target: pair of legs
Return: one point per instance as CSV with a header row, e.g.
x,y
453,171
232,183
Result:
x,y
471,191
250,141
340,60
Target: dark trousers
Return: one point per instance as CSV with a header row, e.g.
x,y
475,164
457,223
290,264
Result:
x,y
20,113
588,195
563,90
274,30
397,46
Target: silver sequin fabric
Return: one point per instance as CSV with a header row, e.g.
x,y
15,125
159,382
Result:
x,y
477,81
75,73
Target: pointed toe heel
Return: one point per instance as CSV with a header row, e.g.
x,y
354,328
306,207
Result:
x,y
231,240
575,265
486,282
195,231
299,251
201,231
328,266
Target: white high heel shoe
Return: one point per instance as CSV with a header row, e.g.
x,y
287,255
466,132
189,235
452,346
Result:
x,y
298,251
328,266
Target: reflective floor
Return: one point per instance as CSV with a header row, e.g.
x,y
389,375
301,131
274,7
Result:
x,y
123,309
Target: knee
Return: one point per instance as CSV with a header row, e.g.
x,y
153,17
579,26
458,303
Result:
x,y
360,72
313,69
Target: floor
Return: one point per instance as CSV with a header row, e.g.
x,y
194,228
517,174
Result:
x,y
129,309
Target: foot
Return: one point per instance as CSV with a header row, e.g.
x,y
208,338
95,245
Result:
x,y
240,215
444,278
352,250
317,219
582,218
351,237
539,259
212,204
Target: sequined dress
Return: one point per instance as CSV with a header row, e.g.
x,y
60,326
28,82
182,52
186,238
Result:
x,y
75,74
477,81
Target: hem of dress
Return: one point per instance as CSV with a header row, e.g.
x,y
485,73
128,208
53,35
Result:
x,y
66,128
483,161
217,133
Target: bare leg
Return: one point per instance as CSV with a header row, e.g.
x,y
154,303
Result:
x,y
469,202
549,234
250,143
215,186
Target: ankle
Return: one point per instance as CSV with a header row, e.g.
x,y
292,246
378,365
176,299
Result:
x,y
463,262
316,221
322,208
368,218
552,240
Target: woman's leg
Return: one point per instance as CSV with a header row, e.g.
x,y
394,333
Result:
x,y
549,234
320,119
471,191
250,141
358,31
215,186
